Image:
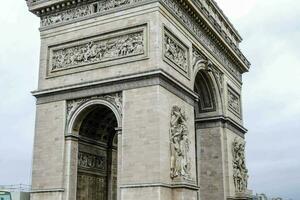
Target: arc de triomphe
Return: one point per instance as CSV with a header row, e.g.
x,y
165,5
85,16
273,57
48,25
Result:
x,y
138,99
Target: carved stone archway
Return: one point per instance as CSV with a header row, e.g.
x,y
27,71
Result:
x,y
93,146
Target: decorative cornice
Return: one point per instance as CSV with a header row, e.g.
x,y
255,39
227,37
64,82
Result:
x,y
212,11
221,24
192,19
213,34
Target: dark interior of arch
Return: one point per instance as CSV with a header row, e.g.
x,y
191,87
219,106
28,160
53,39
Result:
x,y
99,125
97,155
204,88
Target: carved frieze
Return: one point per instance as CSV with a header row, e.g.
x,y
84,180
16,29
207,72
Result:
x,y
183,13
96,50
84,11
234,104
189,19
240,172
90,161
180,145
68,15
115,99
176,53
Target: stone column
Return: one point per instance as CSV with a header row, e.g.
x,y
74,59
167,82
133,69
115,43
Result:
x,y
119,135
70,176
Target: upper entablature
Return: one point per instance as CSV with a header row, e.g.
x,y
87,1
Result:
x,y
200,17
208,8
218,19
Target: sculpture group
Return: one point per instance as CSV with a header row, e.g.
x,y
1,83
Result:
x,y
180,144
240,172
97,51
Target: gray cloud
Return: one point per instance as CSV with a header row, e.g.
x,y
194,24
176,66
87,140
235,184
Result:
x,y
18,70
271,96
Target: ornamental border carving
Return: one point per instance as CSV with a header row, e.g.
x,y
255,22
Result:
x,y
102,50
176,53
200,58
115,99
234,101
85,10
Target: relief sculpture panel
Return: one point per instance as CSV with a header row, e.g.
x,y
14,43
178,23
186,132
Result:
x,y
234,104
176,53
240,172
104,48
90,161
180,145
85,11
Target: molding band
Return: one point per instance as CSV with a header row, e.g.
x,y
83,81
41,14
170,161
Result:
x,y
47,190
165,185
221,121
150,78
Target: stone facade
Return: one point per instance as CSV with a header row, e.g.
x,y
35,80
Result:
x,y
138,99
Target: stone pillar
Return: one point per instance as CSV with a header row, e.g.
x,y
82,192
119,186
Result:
x,y
119,135
150,122
70,176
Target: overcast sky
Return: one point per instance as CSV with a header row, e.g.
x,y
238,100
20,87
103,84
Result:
x,y
271,94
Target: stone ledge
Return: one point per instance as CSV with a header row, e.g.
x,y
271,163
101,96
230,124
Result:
x,y
223,121
150,78
47,190
165,185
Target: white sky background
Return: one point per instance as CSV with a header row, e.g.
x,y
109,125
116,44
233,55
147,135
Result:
x,y
271,94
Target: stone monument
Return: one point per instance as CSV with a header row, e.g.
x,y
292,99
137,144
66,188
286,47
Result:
x,y
138,99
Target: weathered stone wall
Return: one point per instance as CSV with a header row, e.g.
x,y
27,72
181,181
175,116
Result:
x,y
210,163
146,142
48,155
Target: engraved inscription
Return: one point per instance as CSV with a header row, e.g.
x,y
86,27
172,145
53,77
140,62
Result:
x,y
98,51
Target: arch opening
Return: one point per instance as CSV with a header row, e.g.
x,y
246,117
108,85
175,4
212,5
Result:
x,y
97,154
204,88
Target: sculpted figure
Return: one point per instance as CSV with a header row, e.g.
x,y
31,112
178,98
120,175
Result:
x,y
180,161
240,172
96,51
174,52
